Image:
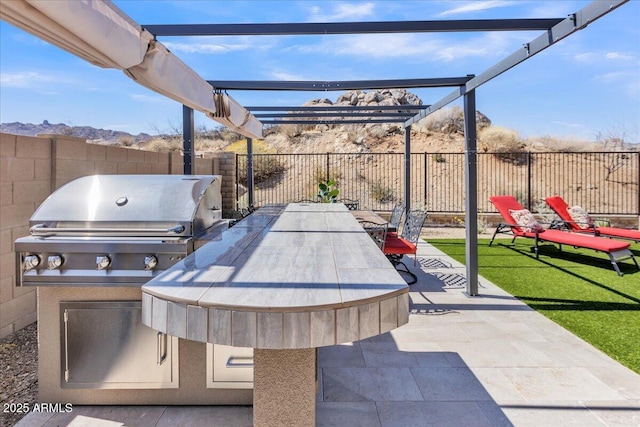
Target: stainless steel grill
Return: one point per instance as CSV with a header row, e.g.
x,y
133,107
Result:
x,y
118,230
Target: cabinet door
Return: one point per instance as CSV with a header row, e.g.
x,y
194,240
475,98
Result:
x,y
106,346
229,367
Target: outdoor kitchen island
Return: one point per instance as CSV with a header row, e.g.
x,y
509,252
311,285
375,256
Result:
x,y
284,281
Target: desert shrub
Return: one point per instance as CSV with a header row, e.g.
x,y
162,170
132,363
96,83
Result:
x,y
504,143
558,144
320,175
446,120
163,145
438,158
126,141
264,165
381,192
546,214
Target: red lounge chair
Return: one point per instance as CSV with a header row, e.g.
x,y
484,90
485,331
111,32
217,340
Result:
x,y
561,208
615,249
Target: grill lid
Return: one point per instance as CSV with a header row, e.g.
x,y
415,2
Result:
x,y
143,204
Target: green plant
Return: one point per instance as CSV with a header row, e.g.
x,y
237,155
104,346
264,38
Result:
x,y
381,192
438,158
327,191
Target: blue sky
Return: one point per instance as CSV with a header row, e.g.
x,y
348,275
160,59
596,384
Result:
x,y
587,84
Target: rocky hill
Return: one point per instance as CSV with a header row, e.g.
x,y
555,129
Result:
x,y
93,135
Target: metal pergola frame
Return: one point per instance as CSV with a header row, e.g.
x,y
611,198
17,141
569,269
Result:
x,y
555,29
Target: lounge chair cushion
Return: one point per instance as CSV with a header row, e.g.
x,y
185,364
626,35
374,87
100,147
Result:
x,y
581,217
582,241
525,219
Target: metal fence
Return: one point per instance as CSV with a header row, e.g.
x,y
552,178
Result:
x,y
604,183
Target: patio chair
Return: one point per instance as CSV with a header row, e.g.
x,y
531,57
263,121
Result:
x,y
406,243
377,232
521,223
396,217
576,219
352,205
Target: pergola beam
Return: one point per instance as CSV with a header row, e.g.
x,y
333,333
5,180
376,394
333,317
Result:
x,y
561,30
345,113
324,28
333,122
406,107
336,85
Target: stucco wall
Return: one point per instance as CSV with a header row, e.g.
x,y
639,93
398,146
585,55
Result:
x,y
33,167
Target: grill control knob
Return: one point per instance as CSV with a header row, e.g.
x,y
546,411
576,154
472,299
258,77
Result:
x,y
54,261
150,262
102,262
30,262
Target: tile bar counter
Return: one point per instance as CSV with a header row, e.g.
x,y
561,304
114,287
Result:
x,y
284,281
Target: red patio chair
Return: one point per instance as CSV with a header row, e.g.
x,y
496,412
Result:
x,y
585,225
406,243
508,206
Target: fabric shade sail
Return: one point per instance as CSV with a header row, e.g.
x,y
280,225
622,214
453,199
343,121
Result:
x,y
100,33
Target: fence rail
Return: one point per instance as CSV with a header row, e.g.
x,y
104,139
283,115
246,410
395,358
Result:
x,y
604,183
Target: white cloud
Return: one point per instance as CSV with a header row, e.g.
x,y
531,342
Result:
x,y
342,12
601,57
618,55
420,47
25,79
476,6
283,75
585,57
206,48
147,98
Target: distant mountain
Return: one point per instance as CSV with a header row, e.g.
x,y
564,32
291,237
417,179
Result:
x,y
97,136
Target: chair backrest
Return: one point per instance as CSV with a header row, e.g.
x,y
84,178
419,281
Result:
x,y
413,225
396,215
377,232
504,204
352,205
561,208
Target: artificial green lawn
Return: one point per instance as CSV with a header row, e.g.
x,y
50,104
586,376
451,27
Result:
x,y
576,288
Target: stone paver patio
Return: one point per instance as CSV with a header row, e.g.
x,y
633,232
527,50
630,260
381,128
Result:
x,y
460,361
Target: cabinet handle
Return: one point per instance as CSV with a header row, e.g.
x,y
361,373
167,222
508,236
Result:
x,y
161,348
239,362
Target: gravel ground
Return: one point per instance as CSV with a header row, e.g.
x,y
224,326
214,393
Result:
x,y
18,374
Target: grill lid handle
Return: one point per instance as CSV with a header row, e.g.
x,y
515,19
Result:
x,y
43,230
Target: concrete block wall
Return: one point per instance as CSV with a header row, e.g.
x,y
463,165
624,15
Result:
x,y
31,168
25,181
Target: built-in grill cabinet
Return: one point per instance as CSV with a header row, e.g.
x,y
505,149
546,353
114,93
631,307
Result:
x,y
93,243
105,345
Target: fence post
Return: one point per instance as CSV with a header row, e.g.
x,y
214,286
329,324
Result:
x,y
237,182
327,174
529,180
638,183
424,200
250,171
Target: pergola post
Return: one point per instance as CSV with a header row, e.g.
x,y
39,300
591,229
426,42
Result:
x,y
471,190
188,140
250,171
407,169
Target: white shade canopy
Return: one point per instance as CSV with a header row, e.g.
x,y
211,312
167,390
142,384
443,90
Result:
x,y
102,34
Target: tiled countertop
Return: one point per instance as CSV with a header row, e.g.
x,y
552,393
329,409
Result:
x,y
300,276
